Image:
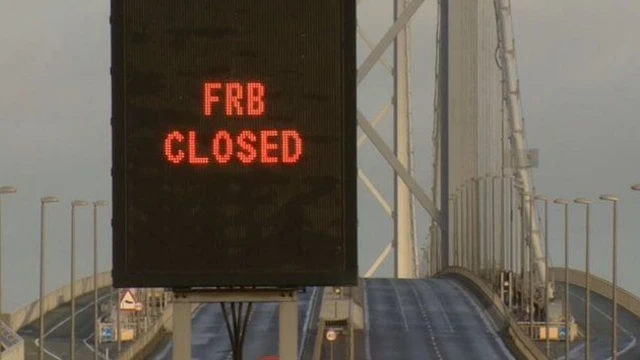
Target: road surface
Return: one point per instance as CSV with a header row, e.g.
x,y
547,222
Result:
x,y
427,319
210,340
628,329
57,327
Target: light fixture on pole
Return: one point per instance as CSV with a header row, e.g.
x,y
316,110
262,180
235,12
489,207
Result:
x,y
43,201
566,274
587,287
96,317
546,200
614,298
72,345
3,190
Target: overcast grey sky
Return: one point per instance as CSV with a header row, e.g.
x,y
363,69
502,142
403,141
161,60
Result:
x,y
577,61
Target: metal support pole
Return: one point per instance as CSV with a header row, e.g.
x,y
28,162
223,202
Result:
x,y
493,228
43,202
614,296
566,280
3,190
456,230
476,223
96,314
288,330
1,254
72,343
41,303
530,253
546,273
587,291
566,274
523,236
467,240
118,324
485,230
511,235
181,331
614,280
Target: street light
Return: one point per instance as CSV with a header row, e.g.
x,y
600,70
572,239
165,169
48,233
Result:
x,y
3,190
96,317
566,274
74,205
454,231
43,201
587,287
546,269
614,333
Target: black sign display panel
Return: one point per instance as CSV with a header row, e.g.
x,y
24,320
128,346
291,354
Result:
x,y
234,143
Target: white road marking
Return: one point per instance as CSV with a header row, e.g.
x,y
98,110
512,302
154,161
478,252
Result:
x,y
37,341
488,320
633,339
404,318
439,303
305,325
426,320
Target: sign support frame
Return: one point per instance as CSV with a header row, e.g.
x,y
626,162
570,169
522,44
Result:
x,y
288,314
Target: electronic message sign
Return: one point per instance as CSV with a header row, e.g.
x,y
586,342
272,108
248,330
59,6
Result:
x,y
234,155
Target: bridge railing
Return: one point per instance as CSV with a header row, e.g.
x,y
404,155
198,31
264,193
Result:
x,y
600,286
52,300
510,331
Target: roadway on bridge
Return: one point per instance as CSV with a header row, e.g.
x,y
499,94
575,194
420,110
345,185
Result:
x,y
427,319
210,339
57,325
628,328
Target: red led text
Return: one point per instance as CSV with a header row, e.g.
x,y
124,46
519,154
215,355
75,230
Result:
x,y
235,98
247,147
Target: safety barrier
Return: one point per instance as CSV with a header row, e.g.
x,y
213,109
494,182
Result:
x,y
13,344
599,286
511,332
52,300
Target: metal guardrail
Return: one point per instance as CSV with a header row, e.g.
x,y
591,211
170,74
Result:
x,y
512,334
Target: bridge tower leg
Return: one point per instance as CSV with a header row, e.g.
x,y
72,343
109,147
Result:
x,y
405,251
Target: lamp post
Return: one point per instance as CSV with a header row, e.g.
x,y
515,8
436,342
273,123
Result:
x,y
532,313
546,270
454,229
587,288
96,317
74,205
614,328
468,219
566,273
43,201
3,190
